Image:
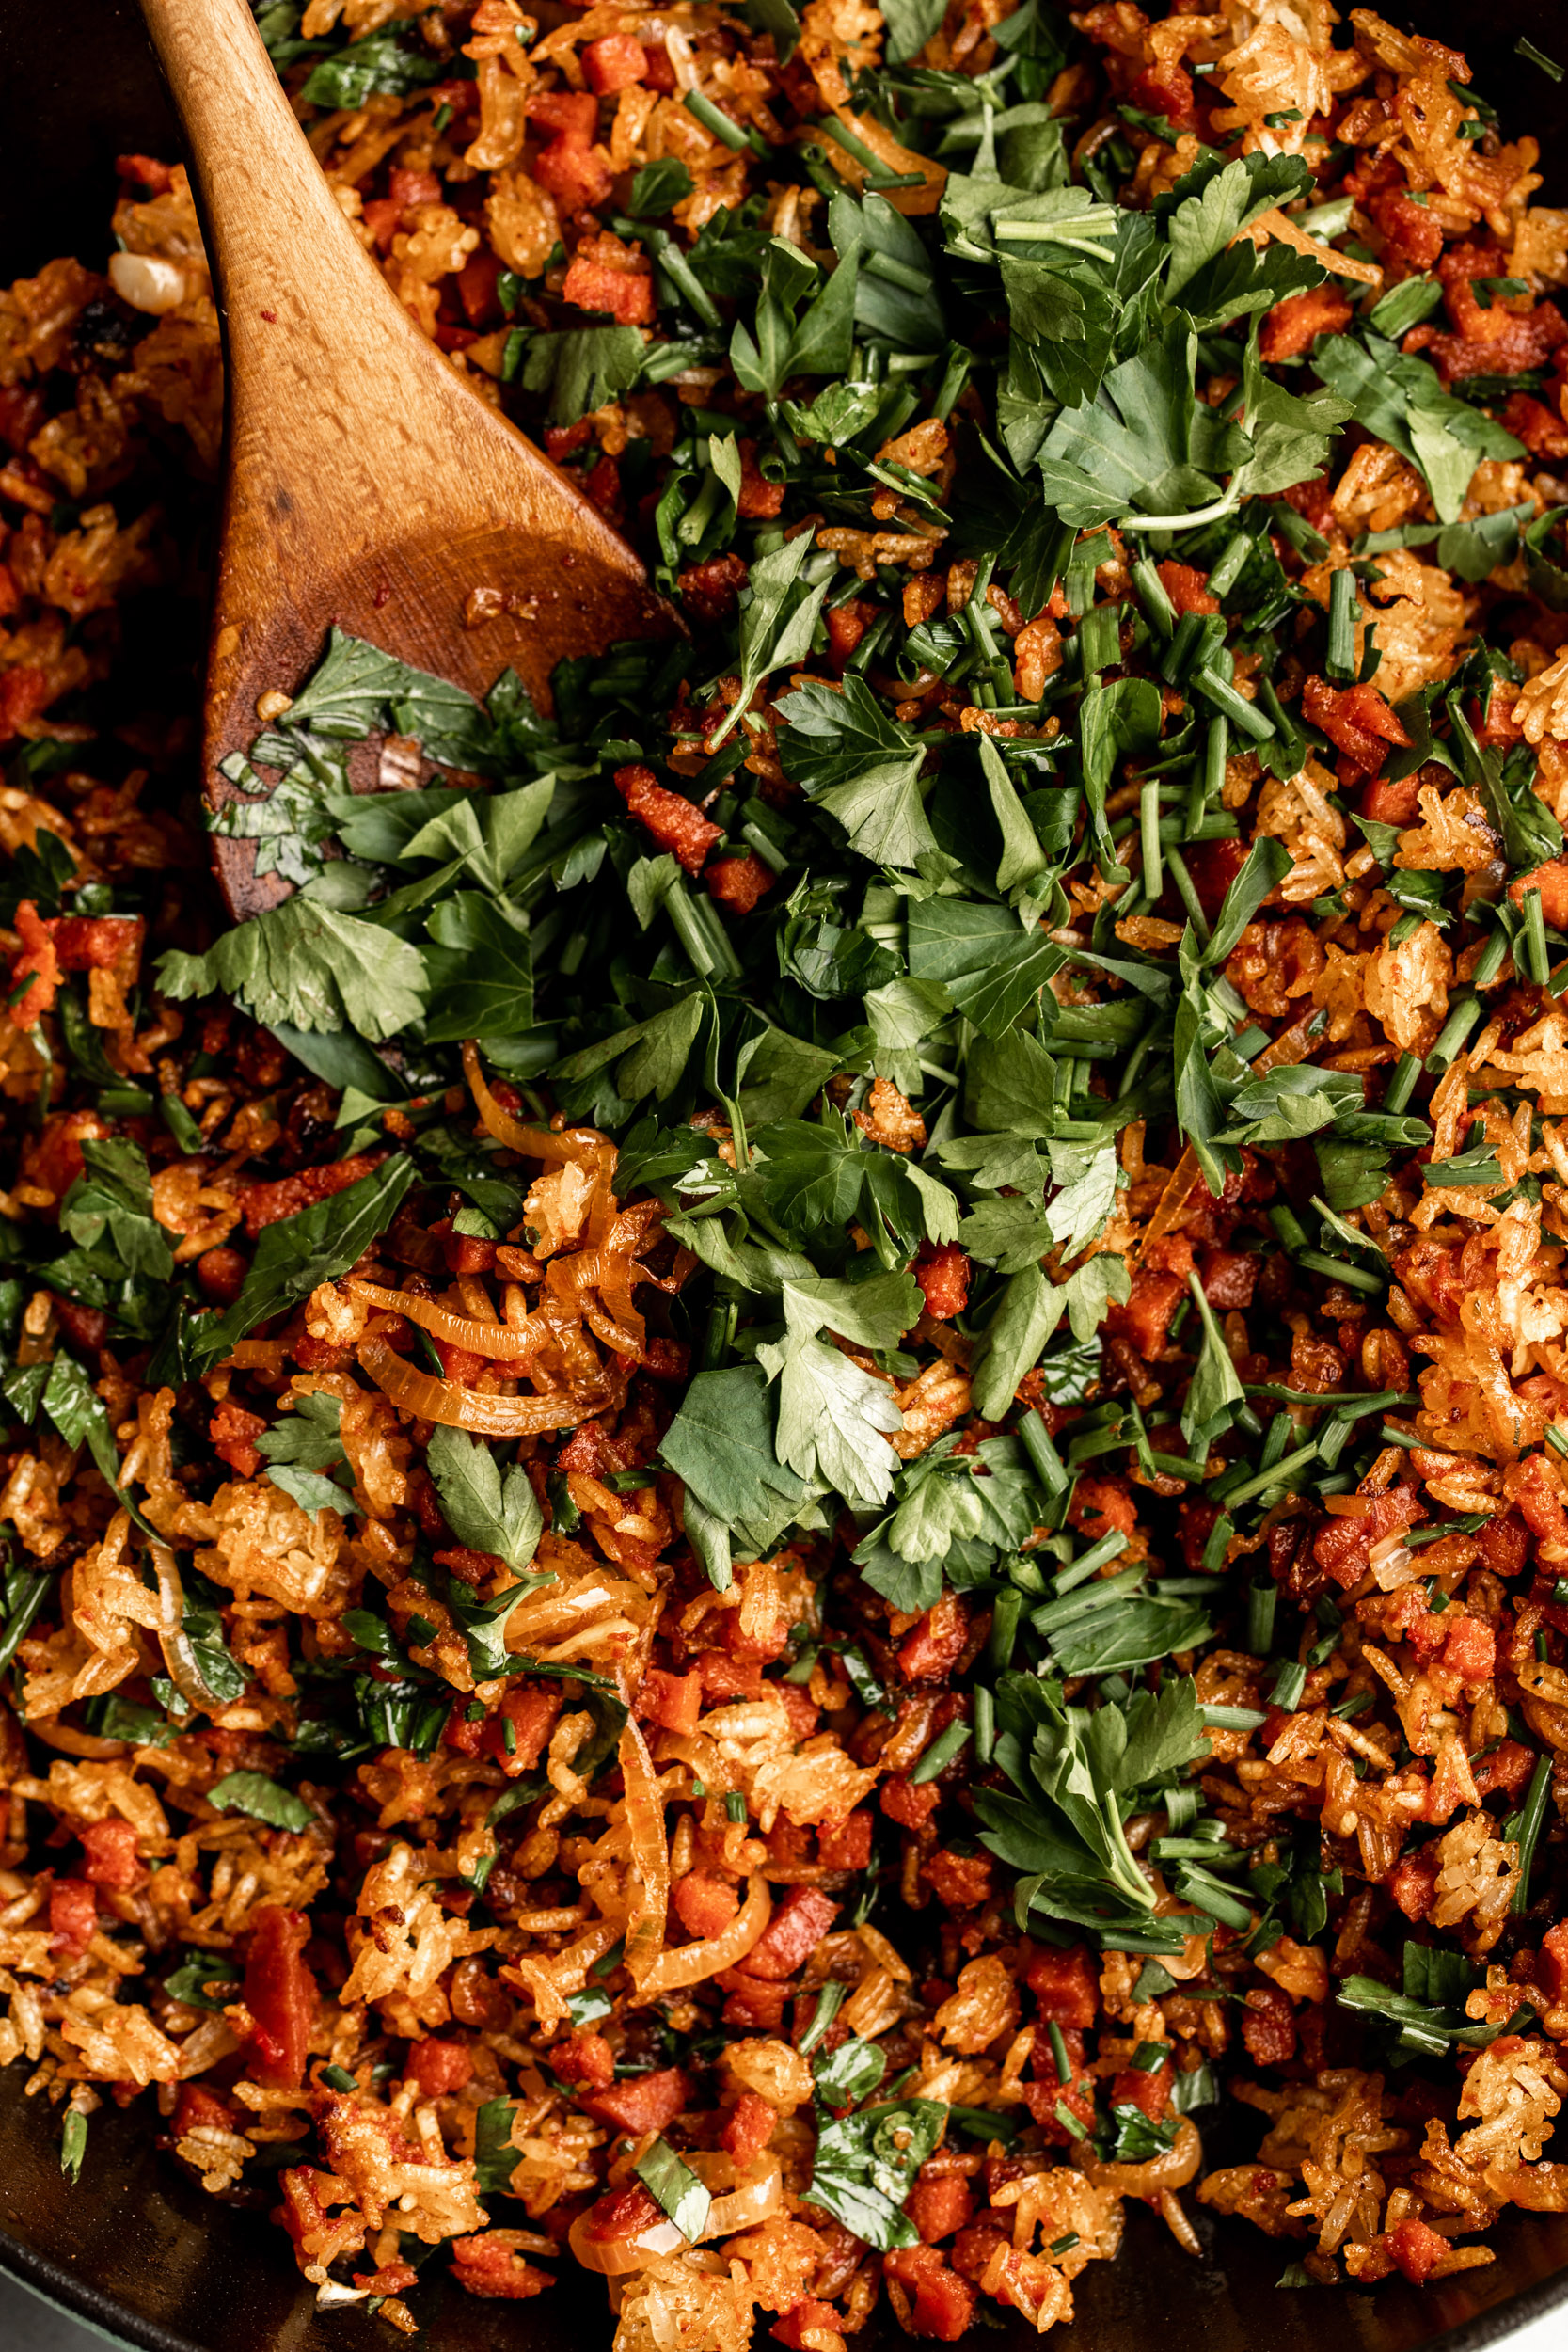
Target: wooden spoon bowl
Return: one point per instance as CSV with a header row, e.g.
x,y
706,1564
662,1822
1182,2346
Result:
x,y
367,485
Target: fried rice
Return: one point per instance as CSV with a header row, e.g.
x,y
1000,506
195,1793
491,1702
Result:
x,y
479,1836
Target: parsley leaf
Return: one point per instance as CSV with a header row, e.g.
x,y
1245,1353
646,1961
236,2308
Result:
x,y
307,964
298,1252
262,1799
484,1511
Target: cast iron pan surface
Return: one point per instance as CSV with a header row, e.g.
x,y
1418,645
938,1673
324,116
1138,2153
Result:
x,y
138,2250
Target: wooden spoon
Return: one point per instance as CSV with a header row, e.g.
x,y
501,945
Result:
x,y
366,484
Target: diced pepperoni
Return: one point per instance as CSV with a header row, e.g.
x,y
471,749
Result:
x,y
23,693
73,1916
613,63
753,2003
802,1709
281,1995
1413,1881
1139,2087
622,2213
1269,2026
459,1734
1066,1986
221,1274
109,1850
478,289
708,590
231,1430
1294,325
961,1880
1469,1650
491,2268
1385,803
760,499
748,2128
676,824
438,2067
86,1328
570,168
625,295
586,2058
674,1702
1342,1546
724,1678
799,1923
1045,2094
908,1802
268,1204
1227,1277
846,624
1503,1544
643,2103
1100,1504
532,1716
1554,1961
847,1846
738,883
1412,231
940,2206
1508,1767
1531,421
705,1902
1551,879
1356,720
942,1272
1417,2249
933,1649
153,178
1187,587
94,942
38,963
942,2305
1144,1316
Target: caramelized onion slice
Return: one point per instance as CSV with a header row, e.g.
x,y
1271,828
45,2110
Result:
x,y
583,1145
613,2257
648,1879
672,1971
503,1342
744,2208
457,1407
1173,2169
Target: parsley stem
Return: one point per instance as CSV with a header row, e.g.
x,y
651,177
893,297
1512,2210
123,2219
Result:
x,y
1351,1277
1211,514
1149,811
1531,1819
678,270
953,377
1184,881
896,273
943,1748
1402,1085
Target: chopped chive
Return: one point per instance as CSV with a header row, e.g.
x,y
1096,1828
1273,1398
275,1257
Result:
x,y
985,1724
708,114
1154,596
1351,1277
1036,1443
1527,50
943,1748
74,2144
1292,1232
1059,2052
1005,1613
1288,1686
1536,958
1184,881
735,1804
1233,1718
1231,565
1557,1439
1217,1544
1262,1600
1068,2121
1065,2244
1236,706
1275,1476
1403,1083
338,2079
1344,611
1463,1015
1489,961
1532,1814
1356,1705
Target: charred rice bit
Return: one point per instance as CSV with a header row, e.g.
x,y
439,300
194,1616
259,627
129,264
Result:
x,y
743,1543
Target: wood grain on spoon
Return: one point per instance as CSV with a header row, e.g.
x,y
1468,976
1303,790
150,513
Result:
x,y
366,484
